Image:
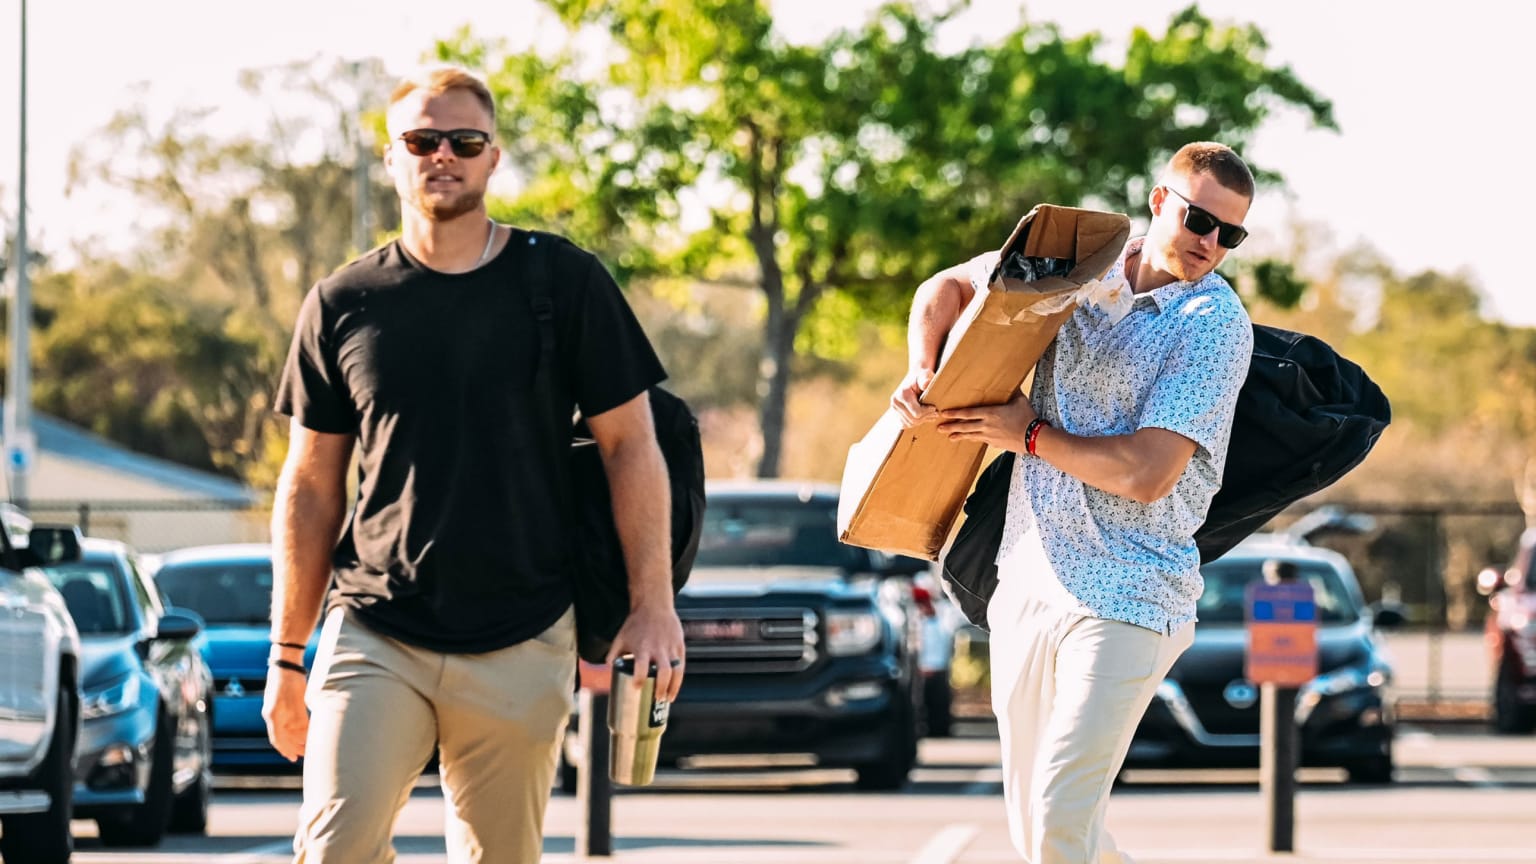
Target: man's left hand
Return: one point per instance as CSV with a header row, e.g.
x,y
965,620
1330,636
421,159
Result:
x,y
1001,426
653,634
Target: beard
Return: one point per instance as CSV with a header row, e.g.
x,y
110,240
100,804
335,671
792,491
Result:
x,y
1182,268
445,208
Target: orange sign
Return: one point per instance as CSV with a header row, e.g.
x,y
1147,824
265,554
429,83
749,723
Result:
x,y
1282,634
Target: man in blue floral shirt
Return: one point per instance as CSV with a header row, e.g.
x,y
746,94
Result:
x,y
1122,442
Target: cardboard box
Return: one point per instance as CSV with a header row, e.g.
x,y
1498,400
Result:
x,y
903,488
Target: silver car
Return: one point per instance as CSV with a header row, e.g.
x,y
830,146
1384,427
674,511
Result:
x,y
39,699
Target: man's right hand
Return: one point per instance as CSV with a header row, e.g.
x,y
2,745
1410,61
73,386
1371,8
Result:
x,y
282,706
905,399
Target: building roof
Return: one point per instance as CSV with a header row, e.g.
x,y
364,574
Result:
x,y
58,438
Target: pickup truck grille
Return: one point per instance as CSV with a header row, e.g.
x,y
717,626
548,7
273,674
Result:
x,y
24,666
767,640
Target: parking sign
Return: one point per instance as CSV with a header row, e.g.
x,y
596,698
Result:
x,y
1282,634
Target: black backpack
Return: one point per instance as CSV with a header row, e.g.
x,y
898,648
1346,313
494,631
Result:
x,y
594,555
1305,416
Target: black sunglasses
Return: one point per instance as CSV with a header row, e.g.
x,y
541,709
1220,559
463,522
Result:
x,y
466,143
1201,222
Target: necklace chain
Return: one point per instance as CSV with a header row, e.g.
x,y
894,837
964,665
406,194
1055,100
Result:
x,y
490,239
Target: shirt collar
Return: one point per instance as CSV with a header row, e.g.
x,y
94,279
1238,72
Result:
x,y
1161,297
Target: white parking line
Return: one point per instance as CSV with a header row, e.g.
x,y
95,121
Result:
x,y
1482,778
1301,856
986,782
945,846
255,854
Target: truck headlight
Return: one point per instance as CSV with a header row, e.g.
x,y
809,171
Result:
x,y
115,698
852,632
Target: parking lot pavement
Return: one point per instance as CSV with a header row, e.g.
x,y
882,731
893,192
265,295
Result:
x,y
1461,797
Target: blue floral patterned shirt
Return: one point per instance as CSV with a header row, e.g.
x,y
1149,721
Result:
x,y
1176,361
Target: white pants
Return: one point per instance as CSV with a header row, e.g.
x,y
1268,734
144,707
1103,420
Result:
x,y
1068,691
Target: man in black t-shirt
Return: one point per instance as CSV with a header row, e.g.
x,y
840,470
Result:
x,y
449,621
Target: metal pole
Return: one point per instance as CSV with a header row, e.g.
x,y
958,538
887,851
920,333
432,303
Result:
x,y
18,386
1277,765
594,788
1434,573
362,232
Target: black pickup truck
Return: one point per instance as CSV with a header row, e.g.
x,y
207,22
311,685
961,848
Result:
x,y
797,644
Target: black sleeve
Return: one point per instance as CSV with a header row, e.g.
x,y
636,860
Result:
x,y
612,359
311,389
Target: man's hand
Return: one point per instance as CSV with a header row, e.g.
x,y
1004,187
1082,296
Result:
x,y
653,634
905,399
1001,426
282,706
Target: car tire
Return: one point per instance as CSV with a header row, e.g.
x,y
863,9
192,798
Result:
x,y
145,824
189,812
44,838
938,705
889,772
567,773
1510,715
1373,771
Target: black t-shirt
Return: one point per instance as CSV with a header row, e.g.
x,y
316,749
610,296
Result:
x,y
453,542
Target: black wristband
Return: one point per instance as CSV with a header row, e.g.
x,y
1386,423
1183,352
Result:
x,y
289,665
290,645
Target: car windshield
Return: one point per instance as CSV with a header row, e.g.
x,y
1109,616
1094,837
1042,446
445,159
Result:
x,y
776,533
92,591
223,592
1222,602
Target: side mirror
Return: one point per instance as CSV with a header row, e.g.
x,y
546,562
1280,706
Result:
x,y
178,625
1387,616
51,544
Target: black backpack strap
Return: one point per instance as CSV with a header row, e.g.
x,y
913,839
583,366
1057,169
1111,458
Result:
x,y
540,273
539,270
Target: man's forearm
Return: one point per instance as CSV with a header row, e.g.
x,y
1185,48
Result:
x,y
642,512
1143,466
936,306
305,524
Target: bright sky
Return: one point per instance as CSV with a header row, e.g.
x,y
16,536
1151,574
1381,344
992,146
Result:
x,y
1429,165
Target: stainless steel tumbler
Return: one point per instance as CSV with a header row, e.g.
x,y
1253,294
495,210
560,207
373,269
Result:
x,y
636,719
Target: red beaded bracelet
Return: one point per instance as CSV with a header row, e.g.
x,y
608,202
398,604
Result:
x,y
1031,434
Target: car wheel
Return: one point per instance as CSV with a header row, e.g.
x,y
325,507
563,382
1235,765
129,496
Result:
x,y
145,824
938,705
889,772
189,812
1510,715
1374,771
567,772
44,838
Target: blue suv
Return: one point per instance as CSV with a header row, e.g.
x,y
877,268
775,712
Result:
x,y
230,586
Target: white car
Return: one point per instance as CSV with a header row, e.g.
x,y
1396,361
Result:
x,y
39,699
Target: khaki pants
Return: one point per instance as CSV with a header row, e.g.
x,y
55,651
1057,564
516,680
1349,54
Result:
x,y
377,708
1068,691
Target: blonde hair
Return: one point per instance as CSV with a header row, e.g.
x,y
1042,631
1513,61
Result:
x,y
438,80
1217,160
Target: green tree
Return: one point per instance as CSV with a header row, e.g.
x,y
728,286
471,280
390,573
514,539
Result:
x,y
848,170
252,219
120,353
236,228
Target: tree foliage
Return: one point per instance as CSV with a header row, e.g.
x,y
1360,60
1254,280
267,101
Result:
x,y
176,352
706,144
